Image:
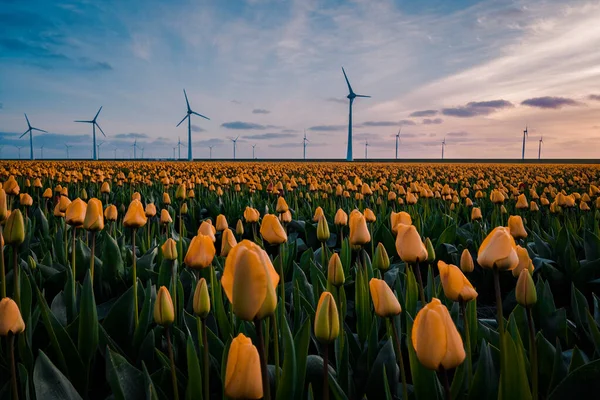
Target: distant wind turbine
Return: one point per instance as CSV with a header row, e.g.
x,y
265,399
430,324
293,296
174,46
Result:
x,y
540,148
68,146
42,152
304,141
189,118
30,130
142,149
398,141
366,149
525,134
210,149
98,147
253,147
19,147
351,96
234,143
174,148
94,125
179,144
135,146
115,150
443,147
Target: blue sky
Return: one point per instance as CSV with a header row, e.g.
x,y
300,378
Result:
x,y
473,72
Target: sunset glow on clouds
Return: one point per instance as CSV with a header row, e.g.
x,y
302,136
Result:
x,y
475,73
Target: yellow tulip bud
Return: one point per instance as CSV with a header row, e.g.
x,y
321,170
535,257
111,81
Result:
x,y
359,232
221,224
517,229
75,214
381,260
327,322
111,213
476,214
201,299
135,216
11,320
94,217
3,206
521,202
385,302
456,286
150,210
282,206
335,271
466,262
11,187
228,241
323,230
341,218
272,231
251,215
181,193
165,217
369,215
169,249
409,245
166,198
525,291
498,250
201,252
164,312
243,379
105,189
47,193
239,228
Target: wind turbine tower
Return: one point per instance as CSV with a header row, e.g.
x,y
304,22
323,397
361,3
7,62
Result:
x,y
443,147
189,118
94,125
525,134
68,146
98,148
351,96
210,150
135,146
19,148
42,152
30,130
540,148
179,144
253,147
398,141
234,143
366,149
304,141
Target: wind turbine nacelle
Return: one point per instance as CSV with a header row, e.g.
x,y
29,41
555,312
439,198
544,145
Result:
x,y
351,96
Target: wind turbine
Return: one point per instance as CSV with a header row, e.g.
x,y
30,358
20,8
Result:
x,y
135,146
253,146
179,144
94,125
351,96
540,148
98,146
174,148
398,141
19,147
525,134
366,149
115,150
30,130
304,141
210,149
189,118
234,143
42,152
68,146
443,147
142,149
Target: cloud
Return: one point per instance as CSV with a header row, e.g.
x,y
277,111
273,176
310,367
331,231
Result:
x,y
260,111
337,100
236,102
132,135
196,128
549,102
327,128
591,97
424,113
457,134
434,121
265,136
289,130
243,125
379,123
480,108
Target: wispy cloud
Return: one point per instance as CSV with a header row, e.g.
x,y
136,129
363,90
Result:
x,y
549,102
328,128
477,108
432,121
267,136
591,97
243,125
260,111
132,135
337,100
196,128
424,113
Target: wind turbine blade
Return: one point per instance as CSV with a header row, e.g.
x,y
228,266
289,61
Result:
x,y
28,124
237,137
186,100
26,132
98,113
200,115
362,95
100,129
87,122
39,130
182,120
347,81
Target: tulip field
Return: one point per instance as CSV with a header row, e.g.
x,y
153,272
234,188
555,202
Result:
x,y
249,280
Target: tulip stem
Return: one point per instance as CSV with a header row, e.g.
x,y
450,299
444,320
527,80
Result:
x,y
135,297
92,261
175,286
2,269
13,369
173,371
276,349
17,282
420,280
444,375
396,340
532,355
325,372
498,301
463,307
205,356
263,361
65,239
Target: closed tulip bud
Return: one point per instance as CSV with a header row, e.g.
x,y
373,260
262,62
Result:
x,y
11,321
521,202
272,231
64,192
150,210
399,218
409,245
430,250
503,209
341,218
14,228
94,217
435,338
385,303
498,250
323,230
335,271
221,223
327,322
365,190
285,217
476,214
239,228
411,199
37,183
282,206
136,196
533,207
466,262
191,194
30,261
249,281
25,200
165,217
169,249
164,312
228,242
11,187
47,193
3,206
524,261
84,195
63,203
583,206
455,284
359,232
206,228
75,214
166,198
135,216
201,252
105,189
251,215
201,299
57,212
318,214
111,213
525,290
183,209
381,260
243,379
517,229
369,215
496,197
469,202
181,192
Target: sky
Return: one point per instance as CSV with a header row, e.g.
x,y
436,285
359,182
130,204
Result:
x,y
474,73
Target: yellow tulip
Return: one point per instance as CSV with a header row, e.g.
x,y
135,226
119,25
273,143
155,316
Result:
x,y
476,214
381,260
63,203
318,214
135,216
136,196
239,228
385,302
272,231
47,193
201,252
285,217
249,281
3,206
150,210
180,193
11,187
466,262
243,379
327,322
201,299
401,217
335,271
105,189
228,241
323,230
221,223
498,250
522,202
341,218
11,320
94,217
456,286
25,200
369,215
517,229
75,214
359,232
282,206
435,338
165,217
169,249
166,198
525,291
409,245
111,213
251,215
164,312
206,228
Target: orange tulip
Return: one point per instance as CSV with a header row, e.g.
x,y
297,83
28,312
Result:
x,y
341,218
150,210
385,302
201,252
282,206
11,320
75,213
221,223
456,286
207,229
165,217
25,200
110,213
251,215
135,216
409,245
228,241
272,231
466,261
401,217
243,379
359,232
498,250
369,215
94,218
517,229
